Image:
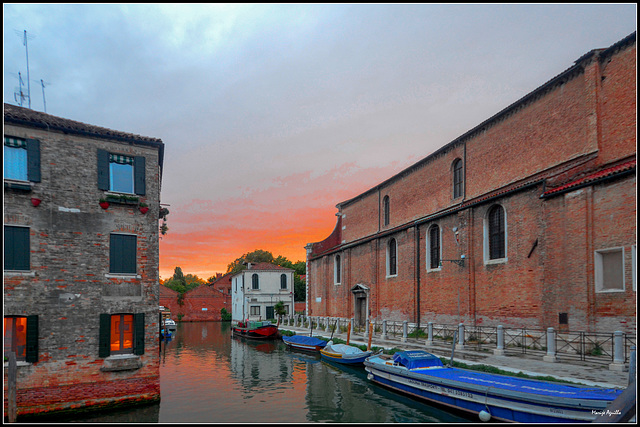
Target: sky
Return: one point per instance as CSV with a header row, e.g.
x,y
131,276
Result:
x,y
272,114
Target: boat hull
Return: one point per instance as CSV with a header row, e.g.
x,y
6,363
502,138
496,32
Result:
x,y
345,359
501,404
304,346
261,333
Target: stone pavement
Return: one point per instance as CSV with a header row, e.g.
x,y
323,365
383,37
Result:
x,y
590,374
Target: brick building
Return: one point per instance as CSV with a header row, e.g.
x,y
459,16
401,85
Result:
x,y
200,304
526,220
80,280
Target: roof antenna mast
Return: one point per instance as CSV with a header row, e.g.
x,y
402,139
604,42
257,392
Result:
x,y
26,47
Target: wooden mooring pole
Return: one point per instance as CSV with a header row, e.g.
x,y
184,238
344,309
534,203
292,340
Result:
x,y
12,385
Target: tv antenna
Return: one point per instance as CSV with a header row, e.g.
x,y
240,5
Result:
x,y
19,95
44,100
25,39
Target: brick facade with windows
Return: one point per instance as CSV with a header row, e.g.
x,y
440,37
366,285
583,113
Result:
x,y
89,287
535,212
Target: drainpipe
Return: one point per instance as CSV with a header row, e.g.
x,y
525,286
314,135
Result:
x,y
417,278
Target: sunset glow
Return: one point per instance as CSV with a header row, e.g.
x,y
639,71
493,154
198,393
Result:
x,y
205,236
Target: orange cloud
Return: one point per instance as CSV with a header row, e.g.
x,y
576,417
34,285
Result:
x,y
205,236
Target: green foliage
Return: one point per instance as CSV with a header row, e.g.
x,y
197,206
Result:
x,y
181,283
278,308
226,316
259,255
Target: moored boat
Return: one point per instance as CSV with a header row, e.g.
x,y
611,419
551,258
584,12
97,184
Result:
x,y
344,353
491,396
170,324
255,330
302,342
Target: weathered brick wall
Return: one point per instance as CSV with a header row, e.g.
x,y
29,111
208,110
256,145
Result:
x,y
203,297
68,286
618,106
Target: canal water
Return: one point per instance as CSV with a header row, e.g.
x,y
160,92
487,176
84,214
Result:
x,y
208,376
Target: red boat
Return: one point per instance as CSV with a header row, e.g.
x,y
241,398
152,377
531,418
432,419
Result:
x,y
255,330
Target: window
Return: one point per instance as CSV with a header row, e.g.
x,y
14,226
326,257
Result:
x,y
392,261
337,279
21,337
255,283
120,173
122,254
385,207
496,233
434,247
254,310
121,333
609,270
22,159
17,251
283,281
457,179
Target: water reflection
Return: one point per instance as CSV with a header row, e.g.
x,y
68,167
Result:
x,y
208,376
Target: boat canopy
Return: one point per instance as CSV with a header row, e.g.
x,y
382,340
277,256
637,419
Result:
x,y
302,339
416,359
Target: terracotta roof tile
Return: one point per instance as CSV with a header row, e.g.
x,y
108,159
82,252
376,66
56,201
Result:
x,y
14,114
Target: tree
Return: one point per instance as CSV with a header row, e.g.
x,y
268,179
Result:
x,y
256,256
181,283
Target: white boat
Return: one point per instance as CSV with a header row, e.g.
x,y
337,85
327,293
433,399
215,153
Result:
x,y
170,324
491,396
344,353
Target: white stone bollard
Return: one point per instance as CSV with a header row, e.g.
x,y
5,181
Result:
x,y
429,341
499,350
551,346
384,330
618,352
405,326
460,344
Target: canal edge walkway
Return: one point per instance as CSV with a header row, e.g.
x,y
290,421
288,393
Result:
x,y
590,374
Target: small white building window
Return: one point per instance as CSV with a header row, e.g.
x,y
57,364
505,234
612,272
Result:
x,y
609,270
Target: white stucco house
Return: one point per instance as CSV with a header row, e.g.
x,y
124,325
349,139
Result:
x,y
256,290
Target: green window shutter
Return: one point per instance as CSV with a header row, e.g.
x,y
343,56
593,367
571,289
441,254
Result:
x,y
138,322
33,160
122,254
17,250
139,175
104,339
32,339
103,170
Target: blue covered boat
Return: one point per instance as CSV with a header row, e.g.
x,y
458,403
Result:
x,y
491,396
344,353
302,342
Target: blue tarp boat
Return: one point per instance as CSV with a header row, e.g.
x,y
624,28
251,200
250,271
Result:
x,y
491,396
303,342
344,353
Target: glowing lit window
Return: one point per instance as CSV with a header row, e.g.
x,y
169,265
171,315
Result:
x,y
15,337
122,333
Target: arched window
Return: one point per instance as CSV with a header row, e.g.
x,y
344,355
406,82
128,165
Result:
x,y
392,259
458,188
336,270
283,281
434,247
496,233
254,281
385,205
